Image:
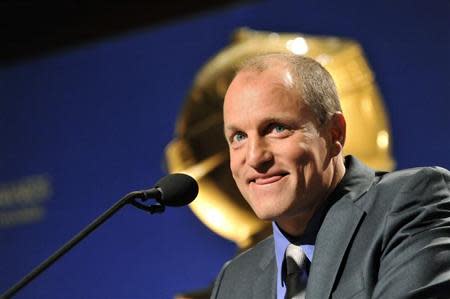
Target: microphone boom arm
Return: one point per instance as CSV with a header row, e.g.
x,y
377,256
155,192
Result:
x,y
130,198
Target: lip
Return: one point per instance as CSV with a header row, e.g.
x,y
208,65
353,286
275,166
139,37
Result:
x,y
266,179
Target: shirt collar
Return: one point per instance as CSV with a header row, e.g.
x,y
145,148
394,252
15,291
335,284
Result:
x,y
306,241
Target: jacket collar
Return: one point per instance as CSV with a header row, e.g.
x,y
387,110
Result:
x,y
336,232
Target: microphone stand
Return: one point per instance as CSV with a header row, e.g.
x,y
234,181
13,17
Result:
x,y
130,198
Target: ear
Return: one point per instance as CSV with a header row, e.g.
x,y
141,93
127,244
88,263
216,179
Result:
x,y
337,129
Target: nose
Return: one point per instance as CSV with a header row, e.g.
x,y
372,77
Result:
x,y
259,156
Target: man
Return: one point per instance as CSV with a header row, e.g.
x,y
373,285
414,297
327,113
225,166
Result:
x,y
359,233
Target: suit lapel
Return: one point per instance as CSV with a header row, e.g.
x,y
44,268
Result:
x,y
340,224
265,284
333,239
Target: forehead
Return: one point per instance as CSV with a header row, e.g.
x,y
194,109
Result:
x,y
270,86
254,95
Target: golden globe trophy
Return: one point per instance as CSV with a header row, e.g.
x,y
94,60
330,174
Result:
x,y
200,150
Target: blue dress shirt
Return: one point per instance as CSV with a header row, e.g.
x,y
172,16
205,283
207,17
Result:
x,y
281,243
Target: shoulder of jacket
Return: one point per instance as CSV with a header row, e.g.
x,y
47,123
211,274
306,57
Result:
x,y
404,176
255,252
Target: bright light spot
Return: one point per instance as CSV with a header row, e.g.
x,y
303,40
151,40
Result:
x,y
297,46
289,80
323,59
218,219
383,139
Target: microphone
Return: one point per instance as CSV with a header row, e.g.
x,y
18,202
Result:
x,y
173,190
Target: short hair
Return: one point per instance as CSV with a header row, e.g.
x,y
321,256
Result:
x,y
313,82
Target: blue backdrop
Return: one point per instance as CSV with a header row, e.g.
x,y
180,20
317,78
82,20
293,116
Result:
x,y
82,127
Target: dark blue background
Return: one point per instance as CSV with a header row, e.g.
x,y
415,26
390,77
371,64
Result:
x,y
96,120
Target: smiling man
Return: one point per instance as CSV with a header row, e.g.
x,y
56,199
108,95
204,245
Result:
x,y
353,232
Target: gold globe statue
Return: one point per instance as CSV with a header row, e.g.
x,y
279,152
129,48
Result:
x,y
200,149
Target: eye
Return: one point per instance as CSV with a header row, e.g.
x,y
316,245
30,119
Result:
x,y
278,128
238,137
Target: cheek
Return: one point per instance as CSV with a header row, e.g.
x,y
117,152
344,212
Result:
x,y
298,154
307,150
234,164
303,160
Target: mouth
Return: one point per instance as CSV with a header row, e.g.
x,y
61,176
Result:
x,y
267,179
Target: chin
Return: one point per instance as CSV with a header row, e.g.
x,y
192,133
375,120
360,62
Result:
x,y
268,213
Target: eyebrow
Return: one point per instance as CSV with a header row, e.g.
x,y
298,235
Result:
x,y
275,120
264,122
281,120
230,128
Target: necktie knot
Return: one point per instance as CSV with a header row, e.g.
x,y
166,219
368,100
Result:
x,y
295,279
295,259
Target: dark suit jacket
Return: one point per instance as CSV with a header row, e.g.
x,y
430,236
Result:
x,y
389,237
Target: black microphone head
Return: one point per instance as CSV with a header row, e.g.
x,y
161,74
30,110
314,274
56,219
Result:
x,y
177,189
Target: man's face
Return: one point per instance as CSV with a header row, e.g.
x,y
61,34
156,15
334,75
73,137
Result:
x,y
279,155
